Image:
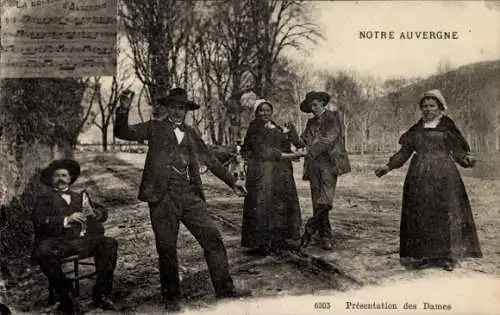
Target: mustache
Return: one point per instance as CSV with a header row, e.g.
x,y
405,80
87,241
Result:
x,y
61,181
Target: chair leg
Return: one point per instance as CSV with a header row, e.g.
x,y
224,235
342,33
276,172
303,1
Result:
x,y
77,281
52,299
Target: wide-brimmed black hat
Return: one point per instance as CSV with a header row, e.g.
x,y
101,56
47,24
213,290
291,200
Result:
x,y
178,95
306,107
71,165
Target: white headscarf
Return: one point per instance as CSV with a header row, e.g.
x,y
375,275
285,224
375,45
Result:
x,y
438,95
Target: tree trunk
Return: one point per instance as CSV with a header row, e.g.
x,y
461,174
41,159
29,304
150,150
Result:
x,y
497,139
104,136
221,131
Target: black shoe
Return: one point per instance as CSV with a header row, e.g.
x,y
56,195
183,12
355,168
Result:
x,y
69,305
305,239
105,303
446,264
423,264
52,299
326,244
236,293
4,310
173,305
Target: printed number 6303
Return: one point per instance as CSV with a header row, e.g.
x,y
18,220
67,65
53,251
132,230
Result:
x,y
322,305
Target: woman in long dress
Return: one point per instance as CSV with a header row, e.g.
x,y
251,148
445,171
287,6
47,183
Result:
x,y
271,215
437,226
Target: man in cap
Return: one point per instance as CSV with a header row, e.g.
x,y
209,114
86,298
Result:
x,y
58,219
326,159
171,184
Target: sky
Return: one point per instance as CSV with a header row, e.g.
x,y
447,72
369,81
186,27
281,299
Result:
x,y
477,26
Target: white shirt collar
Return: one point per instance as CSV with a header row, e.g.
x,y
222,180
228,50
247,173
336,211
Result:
x,y
179,134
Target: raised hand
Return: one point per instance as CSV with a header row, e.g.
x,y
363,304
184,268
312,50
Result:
x,y
126,99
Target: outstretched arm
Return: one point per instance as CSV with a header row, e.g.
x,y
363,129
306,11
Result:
x,y
400,157
208,158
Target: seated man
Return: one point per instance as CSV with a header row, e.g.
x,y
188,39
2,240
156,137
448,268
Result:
x,y
59,219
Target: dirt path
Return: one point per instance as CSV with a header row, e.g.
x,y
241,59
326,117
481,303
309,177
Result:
x,y
365,219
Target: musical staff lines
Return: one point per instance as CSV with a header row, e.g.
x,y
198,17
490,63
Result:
x,y
56,35
67,65
59,20
53,38
58,48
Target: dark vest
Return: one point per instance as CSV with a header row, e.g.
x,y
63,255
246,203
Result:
x,y
181,160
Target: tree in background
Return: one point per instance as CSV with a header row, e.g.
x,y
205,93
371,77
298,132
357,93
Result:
x,y
395,108
107,101
277,25
40,120
346,92
107,91
220,50
371,91
157,31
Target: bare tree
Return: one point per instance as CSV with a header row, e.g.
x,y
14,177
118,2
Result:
x,y
139,102
301,83
277,25
157,31
371,91
344,88
392,88
107,101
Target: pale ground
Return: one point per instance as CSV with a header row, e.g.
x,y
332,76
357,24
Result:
x,y
473,294
366,226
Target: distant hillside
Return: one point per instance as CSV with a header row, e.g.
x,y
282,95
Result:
x,y
473,95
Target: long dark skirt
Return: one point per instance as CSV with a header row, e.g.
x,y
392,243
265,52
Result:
x,y
271,212
436,219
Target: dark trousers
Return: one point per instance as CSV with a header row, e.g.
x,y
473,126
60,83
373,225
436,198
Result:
x,y
183,204
323,184
104,250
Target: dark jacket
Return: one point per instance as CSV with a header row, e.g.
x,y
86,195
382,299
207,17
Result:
x,y
325,139
255,147
50,210
455,142
161,144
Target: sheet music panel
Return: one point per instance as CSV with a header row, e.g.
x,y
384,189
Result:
x,y
58,38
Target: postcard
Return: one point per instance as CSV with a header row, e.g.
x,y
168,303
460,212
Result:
x,y
250,157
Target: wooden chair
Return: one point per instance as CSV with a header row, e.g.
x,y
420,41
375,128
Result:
x,y
74,272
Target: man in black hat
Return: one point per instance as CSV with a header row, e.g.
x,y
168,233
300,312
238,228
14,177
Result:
x,y
326,159
58,218
171,184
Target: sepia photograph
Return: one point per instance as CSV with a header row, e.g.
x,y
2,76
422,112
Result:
x,y
249,157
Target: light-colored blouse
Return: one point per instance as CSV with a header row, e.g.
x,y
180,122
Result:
x,y
433,123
